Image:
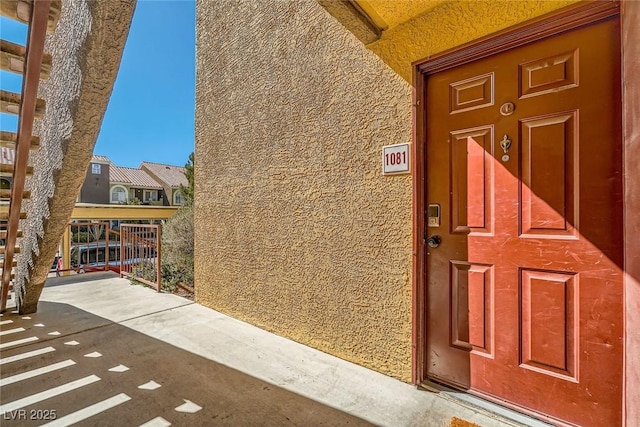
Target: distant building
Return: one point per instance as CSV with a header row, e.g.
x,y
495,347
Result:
x,y
151,184
95,188
171,178
7,156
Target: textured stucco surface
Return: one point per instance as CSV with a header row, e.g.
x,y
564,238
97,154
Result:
x,y
351,18
296,229
452,24
86,48
394,13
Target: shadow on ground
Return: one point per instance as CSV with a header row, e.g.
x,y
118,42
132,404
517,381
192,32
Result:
x,y
108,375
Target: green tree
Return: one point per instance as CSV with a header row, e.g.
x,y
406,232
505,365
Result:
x,y
187,192
177,248
134,201
177,238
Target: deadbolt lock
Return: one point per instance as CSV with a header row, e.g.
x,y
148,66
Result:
x,y
507,108
434,241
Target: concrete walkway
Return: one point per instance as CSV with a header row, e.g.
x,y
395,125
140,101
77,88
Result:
x,y
100,351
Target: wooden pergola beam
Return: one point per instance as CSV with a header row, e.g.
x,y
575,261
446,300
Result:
x,y
13,263
10,104
20,10
4,215
3,234
12,57
6,194
6,169
9,139
16,250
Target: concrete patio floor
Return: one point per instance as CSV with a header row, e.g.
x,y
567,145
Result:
x,y
100,351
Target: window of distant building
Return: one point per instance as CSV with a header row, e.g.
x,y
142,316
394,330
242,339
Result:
x,y
177,198
118,194
96,168
150,195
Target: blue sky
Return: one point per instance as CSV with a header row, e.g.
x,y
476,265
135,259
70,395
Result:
x,y
150,116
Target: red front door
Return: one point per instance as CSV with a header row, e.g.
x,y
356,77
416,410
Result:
x,y
525,287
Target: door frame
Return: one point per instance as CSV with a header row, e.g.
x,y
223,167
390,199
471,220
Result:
x,y
565,19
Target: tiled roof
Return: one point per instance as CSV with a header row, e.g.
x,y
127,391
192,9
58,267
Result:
x,y
132,177
100,159
172,176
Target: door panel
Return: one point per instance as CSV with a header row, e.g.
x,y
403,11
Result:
x,y
471,306
553,73
525,289
549,303
471,180
472,93
549,181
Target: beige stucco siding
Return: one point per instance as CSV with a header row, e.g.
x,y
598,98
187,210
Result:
x,y
296,228
452,24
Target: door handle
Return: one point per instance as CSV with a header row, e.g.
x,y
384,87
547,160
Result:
x,y
434,241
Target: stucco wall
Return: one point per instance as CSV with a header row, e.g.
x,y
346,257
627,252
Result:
x,y
86,48
452,24
297,231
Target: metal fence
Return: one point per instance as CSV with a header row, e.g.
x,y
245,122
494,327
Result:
x,y
92,246
133,251
140,253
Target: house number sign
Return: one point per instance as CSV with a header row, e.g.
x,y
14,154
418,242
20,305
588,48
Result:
x,y
395,159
